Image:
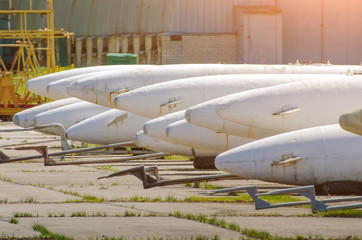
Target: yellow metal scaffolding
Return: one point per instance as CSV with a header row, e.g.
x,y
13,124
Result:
x,y
25,60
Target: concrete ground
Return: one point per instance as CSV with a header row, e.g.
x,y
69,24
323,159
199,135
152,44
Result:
x,y
69,200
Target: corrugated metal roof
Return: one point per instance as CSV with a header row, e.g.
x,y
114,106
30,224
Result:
x,y
110,17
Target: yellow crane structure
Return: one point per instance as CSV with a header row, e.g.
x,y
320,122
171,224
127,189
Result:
x,y
25,60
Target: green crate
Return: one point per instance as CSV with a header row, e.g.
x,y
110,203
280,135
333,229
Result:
x,y
121,58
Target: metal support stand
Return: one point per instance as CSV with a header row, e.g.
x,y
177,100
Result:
x,y
58,127
307,191
50,162
142,173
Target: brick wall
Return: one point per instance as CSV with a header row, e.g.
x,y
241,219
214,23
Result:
x,y
161,49
216,48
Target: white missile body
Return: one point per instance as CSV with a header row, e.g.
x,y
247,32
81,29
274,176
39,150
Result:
x,y
159,99
142,140
156,128
293,106
57,90
38,85
113,126
26,118
103,90
69,115
204,115
317,156
186,134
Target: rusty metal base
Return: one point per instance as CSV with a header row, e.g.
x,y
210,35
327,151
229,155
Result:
x,y
339,188
204,163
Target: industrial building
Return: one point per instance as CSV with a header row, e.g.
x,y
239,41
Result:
x,y
208,31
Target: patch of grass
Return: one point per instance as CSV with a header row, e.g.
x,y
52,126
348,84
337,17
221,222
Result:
x,y
14,221
76,194
344,213
170,198
239,198
139,199
115,184
29,200
24,215
53,170
4,200
79,214
90,198
252,233
72,157
209,186
7,179
175,157
205,219
249,233
87,198
281,198
196,185
99,214
46,234
129,214
56,214
151,215
108,168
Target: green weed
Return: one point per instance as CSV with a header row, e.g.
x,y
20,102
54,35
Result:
x,y
79,214
14,221
175,157
170,198
344,213
46,234
29,200
24,215
129,214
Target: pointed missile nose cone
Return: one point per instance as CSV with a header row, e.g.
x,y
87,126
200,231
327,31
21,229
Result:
x,y
87,88
16,120
157,127
351,122
204,115
83,132
81,89
133,101
38,85
26,118
238,161
142,140
112,126
58,90
70,114
188,115
97,87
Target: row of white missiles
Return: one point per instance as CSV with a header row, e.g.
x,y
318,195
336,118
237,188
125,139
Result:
x,y
236,113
